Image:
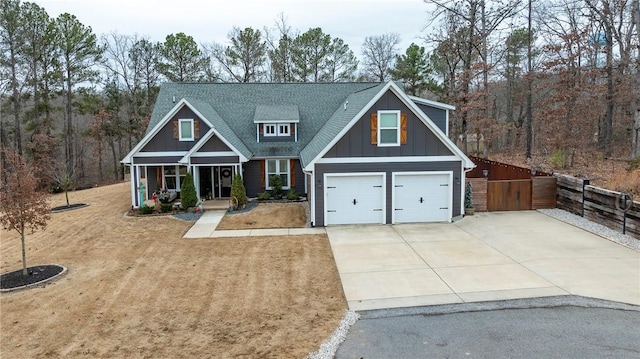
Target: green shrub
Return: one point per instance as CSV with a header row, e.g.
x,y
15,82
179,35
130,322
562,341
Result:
x,y
559,158
238,191
188,197
264,196
276,186
146,209
166,207
292,195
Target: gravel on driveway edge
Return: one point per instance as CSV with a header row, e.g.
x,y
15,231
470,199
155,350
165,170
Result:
x,y
592,227
330,346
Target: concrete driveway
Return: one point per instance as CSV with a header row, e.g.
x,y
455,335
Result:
x,y
489,256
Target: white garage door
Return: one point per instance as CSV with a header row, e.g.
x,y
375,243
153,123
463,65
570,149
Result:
x,y
354,199
422,197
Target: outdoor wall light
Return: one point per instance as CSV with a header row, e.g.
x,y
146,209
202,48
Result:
x,y
533,171
485,173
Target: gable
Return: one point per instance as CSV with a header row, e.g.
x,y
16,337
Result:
x,y
420,141
166,139
214,144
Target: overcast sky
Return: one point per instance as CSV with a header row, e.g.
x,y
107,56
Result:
x,y
211,20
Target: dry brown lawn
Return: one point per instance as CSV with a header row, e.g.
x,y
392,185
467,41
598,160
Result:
x,y
267,215
137,289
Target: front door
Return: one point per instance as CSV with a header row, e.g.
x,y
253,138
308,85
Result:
x,y
223,178
206,182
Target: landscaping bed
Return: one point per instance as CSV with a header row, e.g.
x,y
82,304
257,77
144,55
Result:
x,y
267,215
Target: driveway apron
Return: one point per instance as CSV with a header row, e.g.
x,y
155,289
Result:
x,y
489,256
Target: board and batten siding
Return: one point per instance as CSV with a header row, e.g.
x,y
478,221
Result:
x,y
253,178
420,139
437,115
164,140
214,144
321,169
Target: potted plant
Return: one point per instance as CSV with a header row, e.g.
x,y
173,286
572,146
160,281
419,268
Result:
x,y
468,200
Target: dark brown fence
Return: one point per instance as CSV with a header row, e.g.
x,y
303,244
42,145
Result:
x,y
597,205
503,187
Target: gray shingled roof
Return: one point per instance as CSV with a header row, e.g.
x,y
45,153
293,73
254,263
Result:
x,y
231,108
265,113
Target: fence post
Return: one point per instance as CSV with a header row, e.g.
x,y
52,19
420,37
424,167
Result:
x,y
585,183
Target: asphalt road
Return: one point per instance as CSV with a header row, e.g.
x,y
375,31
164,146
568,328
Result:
x,y
554,332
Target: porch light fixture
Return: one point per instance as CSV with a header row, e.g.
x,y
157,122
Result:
x,y
485,173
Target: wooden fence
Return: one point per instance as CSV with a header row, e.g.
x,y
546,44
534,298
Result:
x,y
513,195
598,205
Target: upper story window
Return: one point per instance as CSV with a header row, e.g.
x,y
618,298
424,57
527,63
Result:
x,y
185,128
283,129
388,128
270,130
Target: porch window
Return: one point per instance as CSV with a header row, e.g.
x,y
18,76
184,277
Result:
x,y
389,128
278,167
174,176
186,129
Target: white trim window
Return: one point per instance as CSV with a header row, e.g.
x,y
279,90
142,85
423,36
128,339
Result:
x,y
270,130
283,129
185,129
388,128
278,167
173,177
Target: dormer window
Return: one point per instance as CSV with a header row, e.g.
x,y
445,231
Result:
x,y
270,130
283,129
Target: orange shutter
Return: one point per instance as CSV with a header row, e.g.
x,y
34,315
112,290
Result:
x,y
176,133
261,129
374,128
262,174
293,129
292,172
403,128
196,129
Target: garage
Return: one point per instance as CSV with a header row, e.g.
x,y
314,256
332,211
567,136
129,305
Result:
x,y
354,198
422,197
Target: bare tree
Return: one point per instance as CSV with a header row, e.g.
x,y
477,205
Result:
x,y
635,148
379,53
24,208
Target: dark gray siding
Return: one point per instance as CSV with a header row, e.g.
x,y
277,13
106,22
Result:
x,y
152,179
164,141
156,160
252,181
277,138
420,140
213,145
214,160
253,178
438,116
388,168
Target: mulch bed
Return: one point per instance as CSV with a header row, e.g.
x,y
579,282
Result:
x,y
68,208
37,274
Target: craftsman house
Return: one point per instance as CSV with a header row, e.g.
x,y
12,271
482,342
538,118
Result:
x,y
361,152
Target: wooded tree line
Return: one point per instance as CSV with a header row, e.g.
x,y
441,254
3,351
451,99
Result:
x,y
548,77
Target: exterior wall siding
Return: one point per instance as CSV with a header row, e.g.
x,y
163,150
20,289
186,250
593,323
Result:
x,y
152,180
214,144
164,141
214,160
438,116
388,168
420,140
253,178
156,160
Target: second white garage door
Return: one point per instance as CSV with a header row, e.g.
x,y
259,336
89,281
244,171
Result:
x,y
422,197
354,199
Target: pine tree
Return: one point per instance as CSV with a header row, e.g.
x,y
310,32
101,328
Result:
x,y
238,191
188,196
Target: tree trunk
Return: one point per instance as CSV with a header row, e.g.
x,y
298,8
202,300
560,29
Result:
x,y
24,253
635,147
608,118
529,126
69,126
